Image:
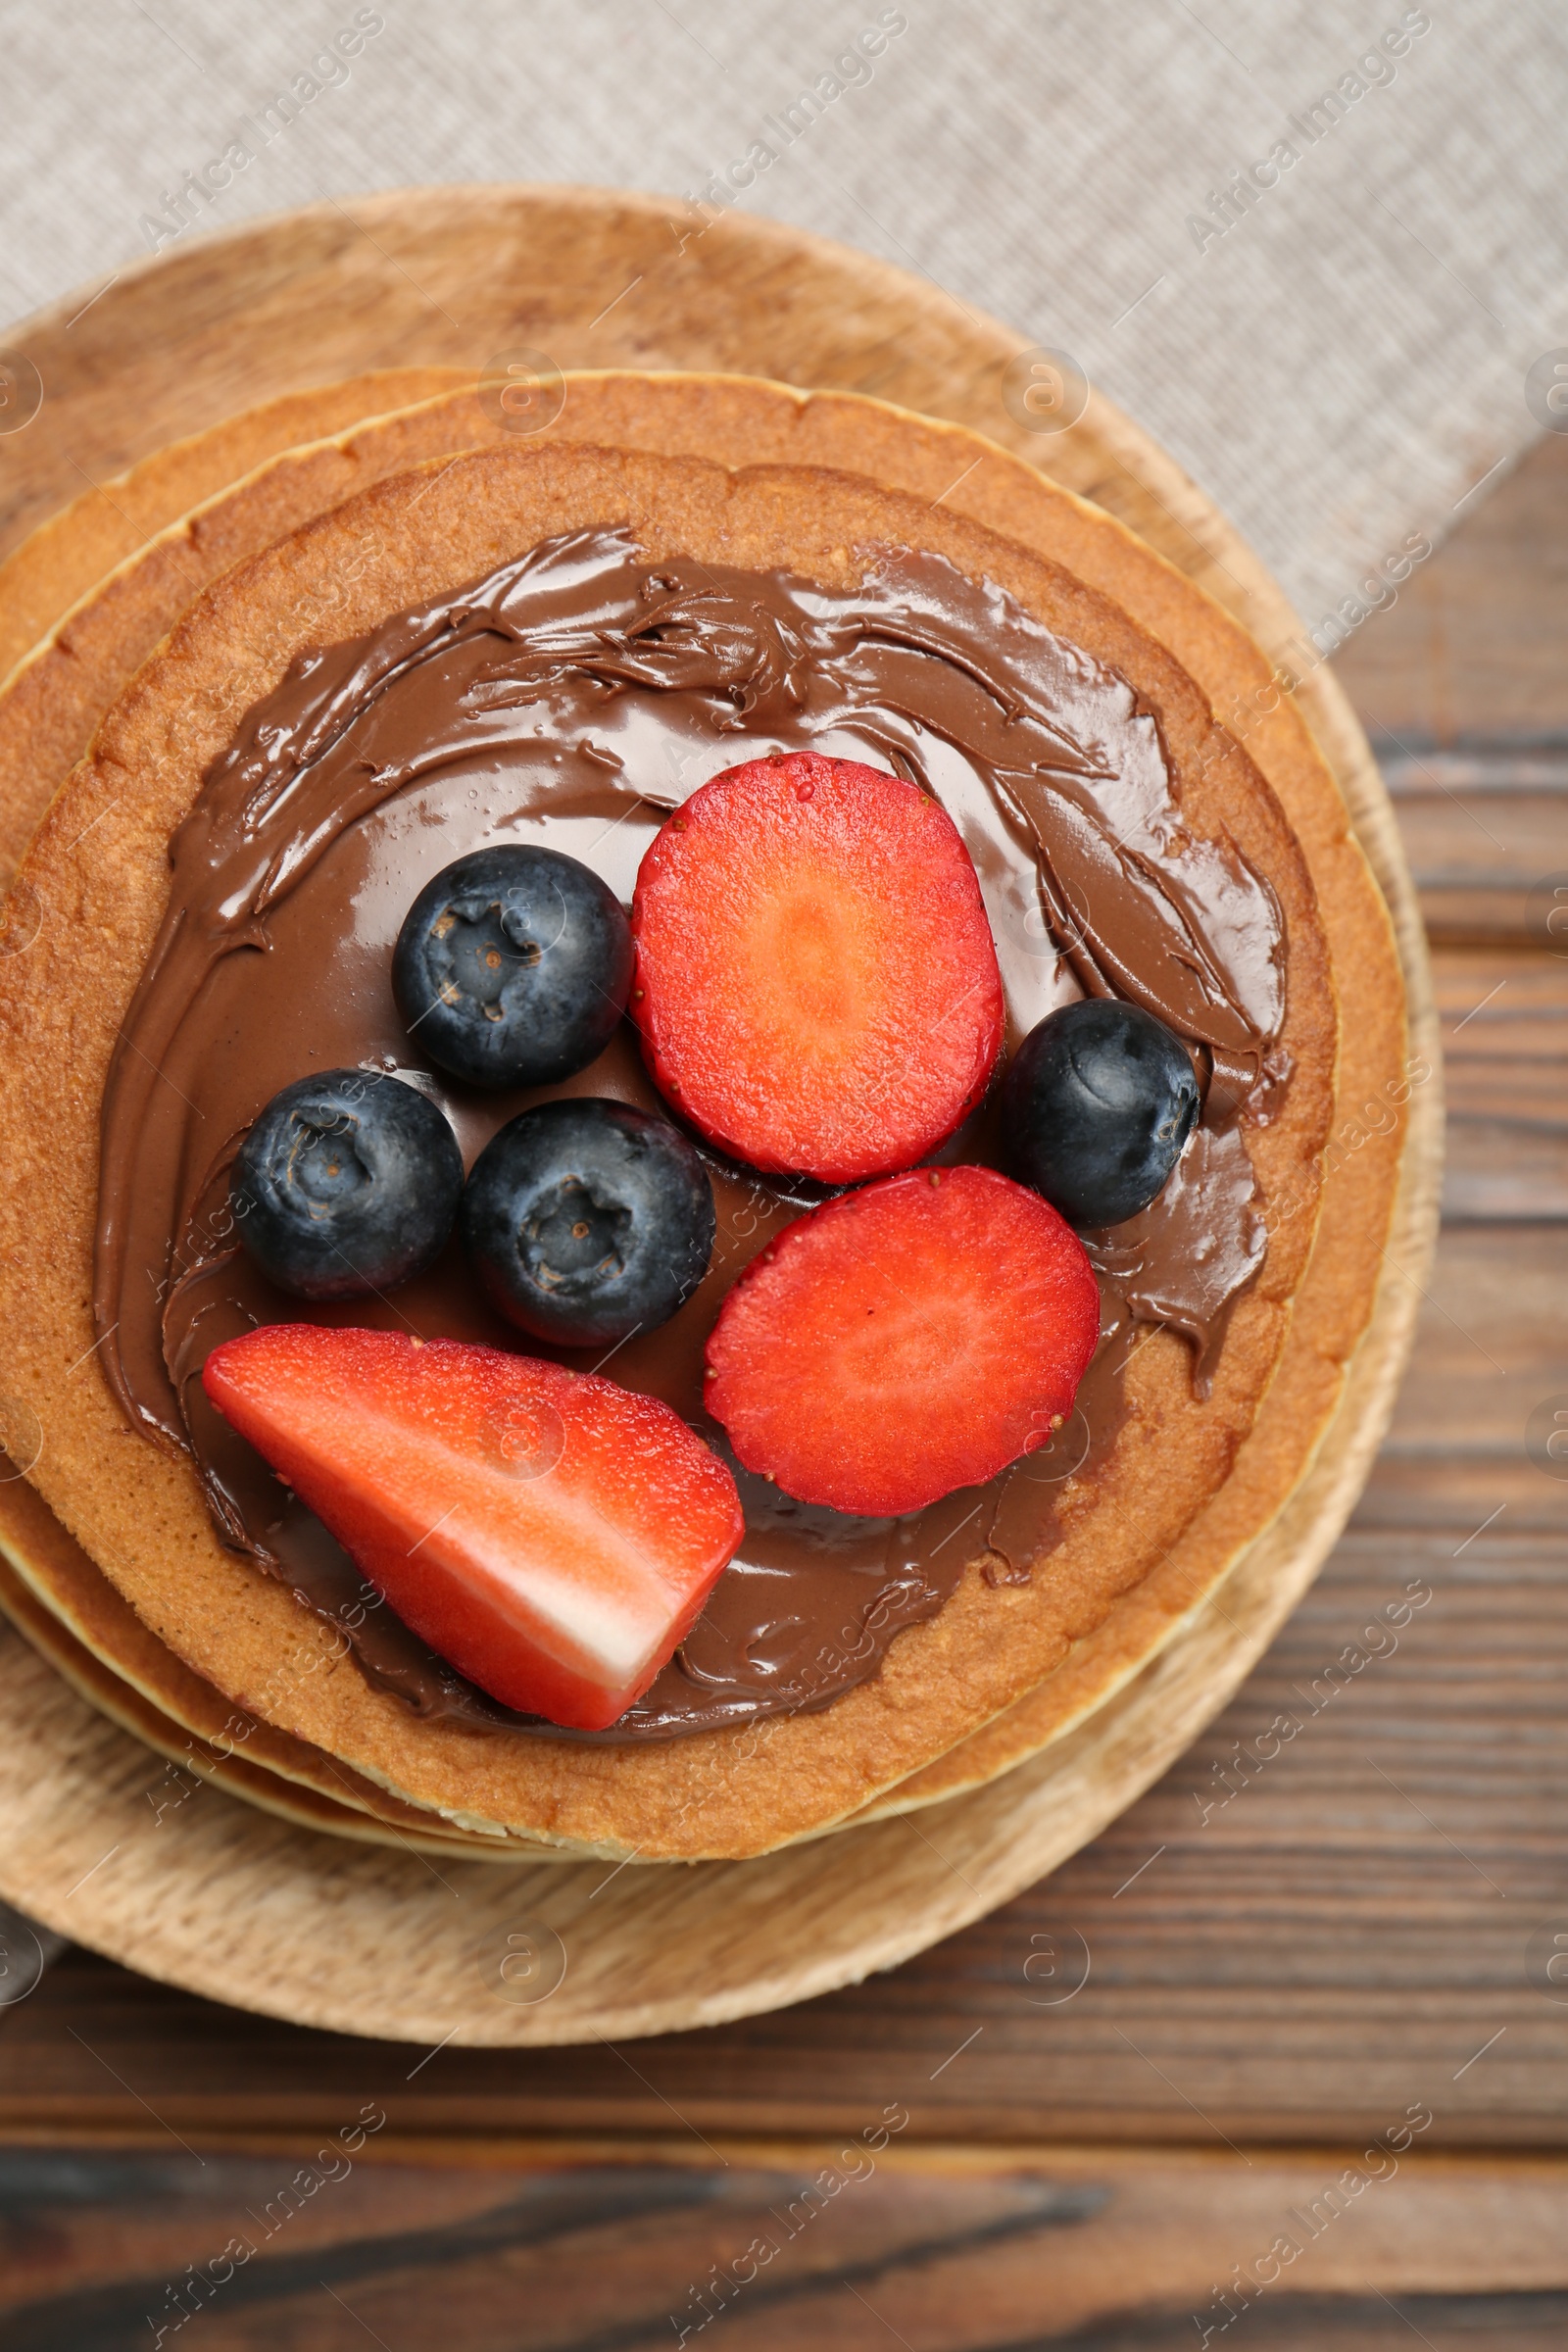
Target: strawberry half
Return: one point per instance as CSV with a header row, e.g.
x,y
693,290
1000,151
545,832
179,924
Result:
x,y
553,1535
816,984
907,1339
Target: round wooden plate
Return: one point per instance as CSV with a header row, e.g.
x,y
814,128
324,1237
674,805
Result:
x,y
244,1906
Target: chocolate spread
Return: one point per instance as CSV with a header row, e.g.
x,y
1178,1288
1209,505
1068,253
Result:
x,y
575,697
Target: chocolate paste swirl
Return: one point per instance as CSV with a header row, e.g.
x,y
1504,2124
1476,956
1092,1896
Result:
x,y
574,697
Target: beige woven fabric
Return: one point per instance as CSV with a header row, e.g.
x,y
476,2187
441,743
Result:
x,y
1315,249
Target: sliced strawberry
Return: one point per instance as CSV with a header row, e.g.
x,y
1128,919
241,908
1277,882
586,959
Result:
x,y
907,1339
816,983
552,1534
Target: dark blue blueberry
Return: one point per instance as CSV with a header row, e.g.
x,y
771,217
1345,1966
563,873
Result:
x,y
512,968
1096,1107
347,1183
588,1220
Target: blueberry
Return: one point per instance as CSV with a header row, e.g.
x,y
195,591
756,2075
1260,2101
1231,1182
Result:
x,y
1096,1107
347,1183
512,968
588,1220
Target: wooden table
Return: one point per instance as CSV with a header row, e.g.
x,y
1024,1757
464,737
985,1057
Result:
x,y
1290,1952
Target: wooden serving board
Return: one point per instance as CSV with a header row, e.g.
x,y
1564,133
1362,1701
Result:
x,y
226,1901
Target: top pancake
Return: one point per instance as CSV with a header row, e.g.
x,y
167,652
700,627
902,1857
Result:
x,y
140,1516
48,710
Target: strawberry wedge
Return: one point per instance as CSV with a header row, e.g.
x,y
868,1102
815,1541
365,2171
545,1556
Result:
x,y
554,1536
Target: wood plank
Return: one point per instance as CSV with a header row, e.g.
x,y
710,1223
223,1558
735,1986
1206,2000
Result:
x,y
840,2246
1504,1020
1471,651
1487,835
1494,1339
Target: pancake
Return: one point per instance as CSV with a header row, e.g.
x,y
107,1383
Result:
x,y
935,437
734,417
141,1519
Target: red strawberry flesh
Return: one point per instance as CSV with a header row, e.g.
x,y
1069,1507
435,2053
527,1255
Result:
x,y
816,982
554,1536
910,1338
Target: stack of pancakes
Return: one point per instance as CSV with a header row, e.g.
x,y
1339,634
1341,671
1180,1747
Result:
x,y
144,621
